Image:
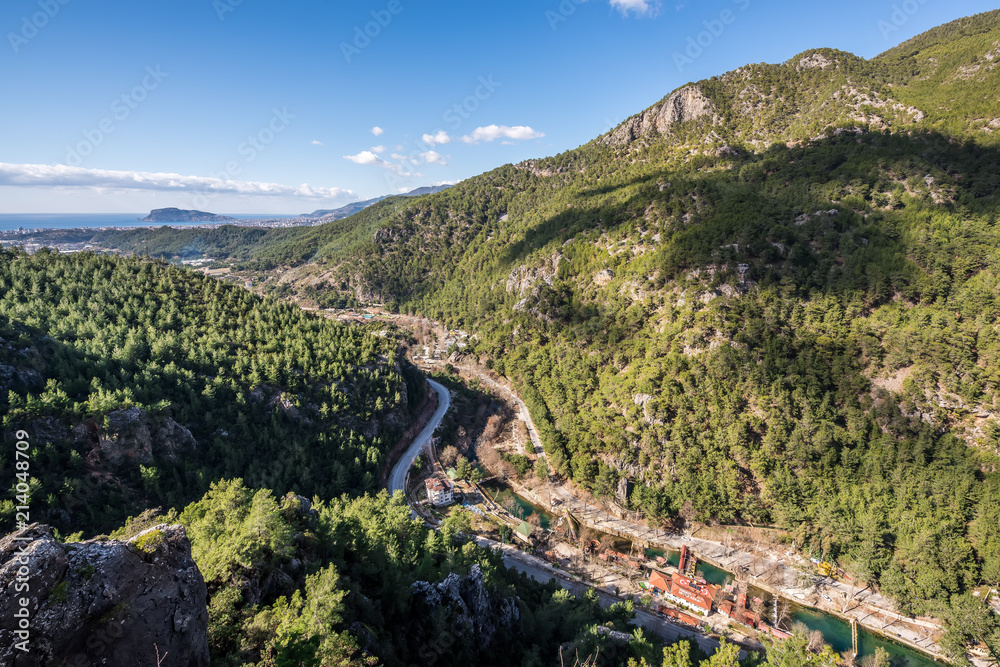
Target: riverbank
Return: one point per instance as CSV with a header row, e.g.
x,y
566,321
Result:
x,y
786,575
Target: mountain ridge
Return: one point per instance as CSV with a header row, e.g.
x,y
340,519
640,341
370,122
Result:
x,y
744,301
348,210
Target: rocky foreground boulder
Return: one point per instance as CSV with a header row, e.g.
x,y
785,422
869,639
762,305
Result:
x,y
102,602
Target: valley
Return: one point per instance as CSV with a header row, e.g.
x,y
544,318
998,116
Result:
x,y
719,387
772,569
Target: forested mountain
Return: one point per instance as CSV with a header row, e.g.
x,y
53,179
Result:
x,y
771,297
140,384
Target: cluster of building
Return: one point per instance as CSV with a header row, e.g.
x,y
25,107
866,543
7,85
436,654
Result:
x,y
619,558
739,610
686,590
693,594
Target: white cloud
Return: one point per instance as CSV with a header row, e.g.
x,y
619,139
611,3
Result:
x,y
440,138
371,158
317,142
398,156
433,157
639,7
493,132
364,157
378,131
62,176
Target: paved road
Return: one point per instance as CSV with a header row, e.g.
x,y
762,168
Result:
x,y
535,567
542,572
522,409
397,480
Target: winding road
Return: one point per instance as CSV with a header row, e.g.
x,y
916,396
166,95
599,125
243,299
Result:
x,y
397,481
535,568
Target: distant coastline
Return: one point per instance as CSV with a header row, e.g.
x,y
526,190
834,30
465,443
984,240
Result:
x,y
17,224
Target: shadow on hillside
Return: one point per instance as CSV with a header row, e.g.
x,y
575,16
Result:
x,y
751,213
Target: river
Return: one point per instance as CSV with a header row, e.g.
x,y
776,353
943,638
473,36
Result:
x,y
836,632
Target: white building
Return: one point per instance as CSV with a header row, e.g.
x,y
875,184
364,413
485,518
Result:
x,y
440,491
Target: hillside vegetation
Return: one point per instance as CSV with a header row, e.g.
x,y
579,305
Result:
x,y
772,297
140,384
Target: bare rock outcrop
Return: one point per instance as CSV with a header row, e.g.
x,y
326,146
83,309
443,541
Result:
x,y
683,105
604,277
815,61
473,608
133,434
686,104
103,602
522,278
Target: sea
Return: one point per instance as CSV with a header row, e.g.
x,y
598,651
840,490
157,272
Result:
x,y
12,221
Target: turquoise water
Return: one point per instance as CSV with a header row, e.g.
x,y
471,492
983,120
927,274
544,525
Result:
x,y
837,634
709,573
525,508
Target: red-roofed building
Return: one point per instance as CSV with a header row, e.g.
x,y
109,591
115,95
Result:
x,y
679,616
659,581
740,611
694,596
439,491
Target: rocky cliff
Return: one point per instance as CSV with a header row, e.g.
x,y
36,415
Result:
x,y
473,609
103,602
683,105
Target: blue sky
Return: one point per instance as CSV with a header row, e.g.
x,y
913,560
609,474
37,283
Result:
x,y
258,106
